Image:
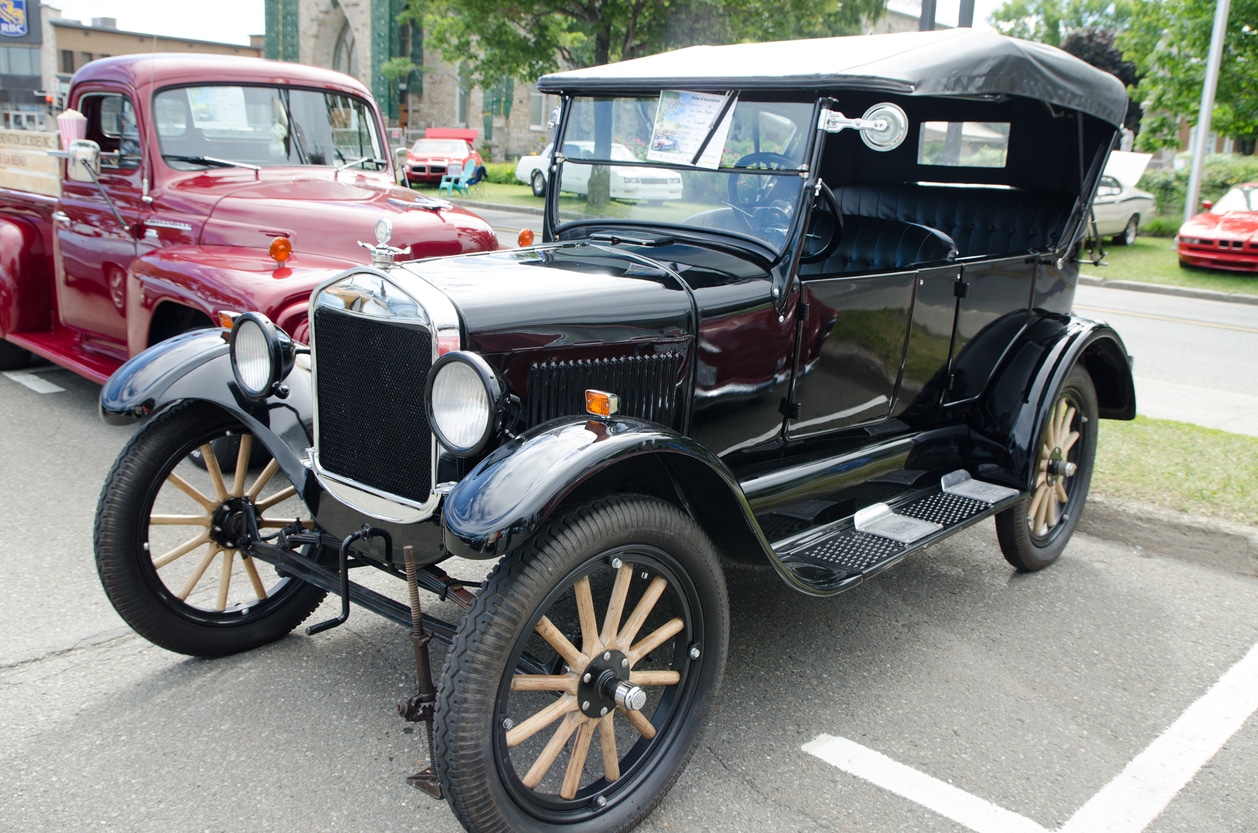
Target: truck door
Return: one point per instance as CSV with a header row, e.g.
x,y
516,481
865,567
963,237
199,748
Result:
x,y
94,250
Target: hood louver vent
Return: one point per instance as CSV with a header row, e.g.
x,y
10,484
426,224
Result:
x,y
646,385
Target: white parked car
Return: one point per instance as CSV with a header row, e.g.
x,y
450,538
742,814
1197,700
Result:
x,y
1119,205
628,183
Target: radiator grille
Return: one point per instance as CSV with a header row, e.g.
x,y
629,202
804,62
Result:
x,y
646,385
373,426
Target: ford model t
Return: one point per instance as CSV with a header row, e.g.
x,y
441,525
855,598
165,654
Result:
x,y
850,337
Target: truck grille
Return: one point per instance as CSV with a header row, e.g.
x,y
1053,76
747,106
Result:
x,y
372,423
646,385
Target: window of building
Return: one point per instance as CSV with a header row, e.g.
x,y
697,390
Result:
x,y
19,60
539,113
67,62
84,57
345,54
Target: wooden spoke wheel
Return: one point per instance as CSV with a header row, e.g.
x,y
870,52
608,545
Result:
x,y
1032,535
578,685
170,525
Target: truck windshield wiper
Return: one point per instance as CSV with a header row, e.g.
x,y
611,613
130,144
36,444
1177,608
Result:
x,y
209,160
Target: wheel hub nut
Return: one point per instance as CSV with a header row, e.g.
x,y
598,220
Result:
x,y
629,696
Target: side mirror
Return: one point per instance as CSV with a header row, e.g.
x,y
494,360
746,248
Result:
x,y
83,163
399,166
883,127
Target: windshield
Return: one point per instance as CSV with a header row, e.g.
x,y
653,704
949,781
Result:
x,y
209,126
1238,199
714,162
440,147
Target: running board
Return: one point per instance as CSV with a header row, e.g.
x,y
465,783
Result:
x,y
840,555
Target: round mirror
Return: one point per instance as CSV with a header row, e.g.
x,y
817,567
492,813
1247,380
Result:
x,y
891,130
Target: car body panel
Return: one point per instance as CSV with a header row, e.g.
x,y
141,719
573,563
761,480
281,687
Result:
x,y
1225,236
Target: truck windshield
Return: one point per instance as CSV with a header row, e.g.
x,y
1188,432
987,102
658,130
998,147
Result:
x,y
710,161
265,126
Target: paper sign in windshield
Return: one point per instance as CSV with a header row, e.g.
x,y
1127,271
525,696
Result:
x,y
218,108
687,123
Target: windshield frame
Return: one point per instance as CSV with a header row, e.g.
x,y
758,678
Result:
x,y
790,186
186,145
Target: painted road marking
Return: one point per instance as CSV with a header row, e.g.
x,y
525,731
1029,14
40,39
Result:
x,y
1153,317
27,378
1128,804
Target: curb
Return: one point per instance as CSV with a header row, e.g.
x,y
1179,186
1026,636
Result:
x,y
1191,538
1166,289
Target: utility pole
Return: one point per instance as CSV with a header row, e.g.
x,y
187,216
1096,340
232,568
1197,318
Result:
x,y
1192,199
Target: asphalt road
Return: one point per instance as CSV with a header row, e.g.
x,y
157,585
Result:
x,y
972,697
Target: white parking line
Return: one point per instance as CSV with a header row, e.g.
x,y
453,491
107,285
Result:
x,y
1126,805
29,379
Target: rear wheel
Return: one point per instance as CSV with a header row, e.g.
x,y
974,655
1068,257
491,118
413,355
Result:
x,y
13,357
1033,534
168,528
1128,236
578,685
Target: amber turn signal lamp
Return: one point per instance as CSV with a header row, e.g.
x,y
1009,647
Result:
x,y
281,249
601,404
226,319
526,237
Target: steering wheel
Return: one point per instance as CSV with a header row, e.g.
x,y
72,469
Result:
x,y
748,191
825,227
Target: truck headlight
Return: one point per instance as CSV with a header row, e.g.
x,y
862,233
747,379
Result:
x,y
465,402
261,354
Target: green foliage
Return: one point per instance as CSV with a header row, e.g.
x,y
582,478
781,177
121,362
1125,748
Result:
x,y
1050,21
502,173
1218,174
512,39
1169,41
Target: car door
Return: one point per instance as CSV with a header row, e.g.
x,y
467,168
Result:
x,y
1110,217
94,249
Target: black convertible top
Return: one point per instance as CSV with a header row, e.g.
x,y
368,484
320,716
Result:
x,y
956,62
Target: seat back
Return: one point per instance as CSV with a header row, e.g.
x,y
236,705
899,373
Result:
x,y
872,244
980,221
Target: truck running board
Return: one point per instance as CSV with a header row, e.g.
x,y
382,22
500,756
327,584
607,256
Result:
x,y
838,556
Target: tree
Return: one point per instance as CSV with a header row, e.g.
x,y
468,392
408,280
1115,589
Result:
x,y
1051,21
1169,41
1096,47
515,39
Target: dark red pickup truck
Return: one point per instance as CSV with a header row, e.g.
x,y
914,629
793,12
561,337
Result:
x,y
193,186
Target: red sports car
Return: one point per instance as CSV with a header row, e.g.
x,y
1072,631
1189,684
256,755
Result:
x,y
1225,235
429,159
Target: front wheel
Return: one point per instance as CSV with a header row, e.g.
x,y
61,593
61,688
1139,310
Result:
x,y
538,182
1033,534
169,527
578,685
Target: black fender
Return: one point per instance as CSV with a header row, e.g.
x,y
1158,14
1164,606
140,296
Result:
x,y
196,366
1011,416
511,494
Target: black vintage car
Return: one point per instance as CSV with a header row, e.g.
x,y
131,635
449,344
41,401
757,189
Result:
x,y
850,337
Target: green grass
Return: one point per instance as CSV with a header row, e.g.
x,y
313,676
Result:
x,y
1178,466
1153,260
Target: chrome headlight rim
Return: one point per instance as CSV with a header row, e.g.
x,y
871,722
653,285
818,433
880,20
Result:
x,y
262,355
494,398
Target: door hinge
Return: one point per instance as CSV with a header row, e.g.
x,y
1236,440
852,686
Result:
x,y
961,289
789,409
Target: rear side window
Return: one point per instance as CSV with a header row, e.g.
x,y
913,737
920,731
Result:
x,y
963,144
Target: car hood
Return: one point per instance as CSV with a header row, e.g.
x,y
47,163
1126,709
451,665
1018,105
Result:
x,y
1234,225
1127,167
562,296
328,216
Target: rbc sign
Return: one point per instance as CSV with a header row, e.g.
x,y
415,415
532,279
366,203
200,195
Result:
x,y
13,18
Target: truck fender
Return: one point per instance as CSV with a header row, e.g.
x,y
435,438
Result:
x,y
511,494
196,365
1011,416
25,288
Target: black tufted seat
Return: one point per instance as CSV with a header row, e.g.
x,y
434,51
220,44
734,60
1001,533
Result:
x,y
981,221
870,244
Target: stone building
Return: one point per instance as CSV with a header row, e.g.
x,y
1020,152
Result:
x,y
40,50
358,37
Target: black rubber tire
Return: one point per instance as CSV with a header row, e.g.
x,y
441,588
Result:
x,y
13,357
1129,232
126,546
1028,549
477,706
538,183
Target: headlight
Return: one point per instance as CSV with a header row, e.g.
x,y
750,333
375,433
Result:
x,y
261,354
465,402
